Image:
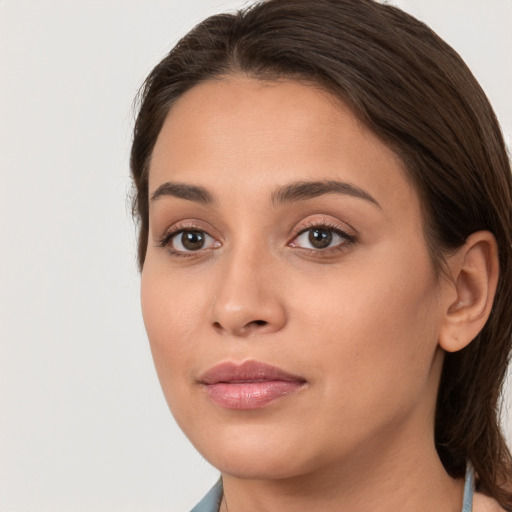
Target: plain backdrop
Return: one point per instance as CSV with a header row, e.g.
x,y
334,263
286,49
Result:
x,y
83,423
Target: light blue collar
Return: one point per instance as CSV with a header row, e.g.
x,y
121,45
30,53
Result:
x,y
211,502
469,489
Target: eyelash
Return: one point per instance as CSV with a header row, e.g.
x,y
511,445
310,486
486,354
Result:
x,y
164,242
349,239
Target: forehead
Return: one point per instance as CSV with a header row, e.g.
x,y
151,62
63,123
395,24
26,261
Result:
x,y
253,134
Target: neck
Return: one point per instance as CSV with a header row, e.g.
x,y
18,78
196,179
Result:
x,y
383,477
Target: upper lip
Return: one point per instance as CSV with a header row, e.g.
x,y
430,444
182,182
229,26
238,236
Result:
x,y
248,371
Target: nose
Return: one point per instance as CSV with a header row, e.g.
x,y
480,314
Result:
x,y
247,298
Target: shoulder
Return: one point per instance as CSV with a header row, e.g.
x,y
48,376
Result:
x,y
482,503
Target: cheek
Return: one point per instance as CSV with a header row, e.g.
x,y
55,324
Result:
x,y
172,301
171,310
376,325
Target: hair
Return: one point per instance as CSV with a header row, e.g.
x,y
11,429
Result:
x,y
417,95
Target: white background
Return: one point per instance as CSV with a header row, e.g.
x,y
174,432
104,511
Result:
x,y
83,423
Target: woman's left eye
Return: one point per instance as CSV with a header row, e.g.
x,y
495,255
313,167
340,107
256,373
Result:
x,y
321,238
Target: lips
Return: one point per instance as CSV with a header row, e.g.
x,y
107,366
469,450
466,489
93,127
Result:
x,y
250,385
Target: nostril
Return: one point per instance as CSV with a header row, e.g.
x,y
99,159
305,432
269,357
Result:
x,y
241,328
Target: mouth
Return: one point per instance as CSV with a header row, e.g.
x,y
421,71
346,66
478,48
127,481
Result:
x,y
250,385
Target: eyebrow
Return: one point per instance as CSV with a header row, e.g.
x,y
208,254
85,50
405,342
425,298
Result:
x,y
301,190
293,192
183,191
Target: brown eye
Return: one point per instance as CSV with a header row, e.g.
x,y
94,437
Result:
x,y
320,238
190,240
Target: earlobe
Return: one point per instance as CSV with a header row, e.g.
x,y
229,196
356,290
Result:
x,y
474,270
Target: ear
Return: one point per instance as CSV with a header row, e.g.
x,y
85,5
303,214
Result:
x,y
474,269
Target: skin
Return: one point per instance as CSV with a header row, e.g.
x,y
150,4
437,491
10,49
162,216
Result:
x,y
363,322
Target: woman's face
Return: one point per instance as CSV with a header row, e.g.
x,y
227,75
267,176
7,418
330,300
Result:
x,y
288,294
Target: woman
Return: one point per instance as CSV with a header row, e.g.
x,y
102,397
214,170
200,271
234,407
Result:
x,y
325,242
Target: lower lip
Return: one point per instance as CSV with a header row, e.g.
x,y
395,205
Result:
x,y
250,395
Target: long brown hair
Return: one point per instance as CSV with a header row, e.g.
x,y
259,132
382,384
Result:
x,y
415,92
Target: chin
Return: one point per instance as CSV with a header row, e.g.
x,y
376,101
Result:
x,y
248,455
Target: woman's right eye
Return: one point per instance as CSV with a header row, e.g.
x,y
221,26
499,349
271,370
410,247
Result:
x,y
189,240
